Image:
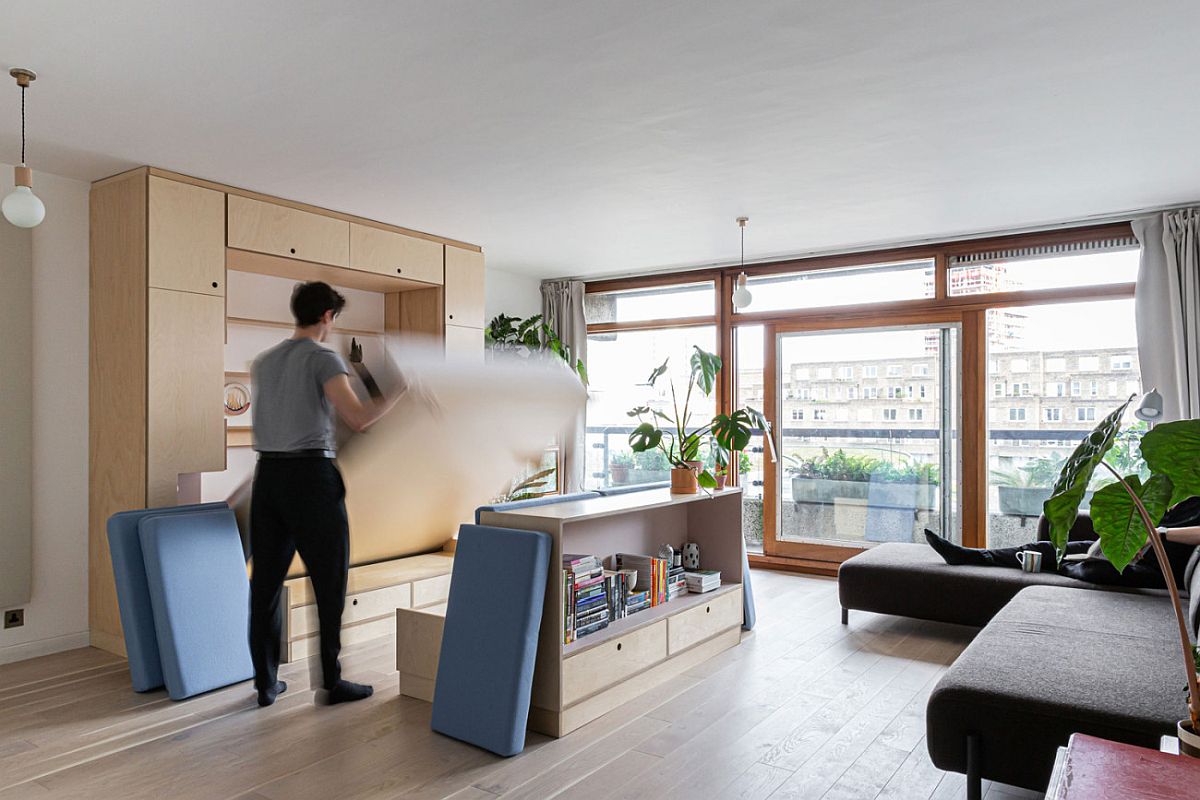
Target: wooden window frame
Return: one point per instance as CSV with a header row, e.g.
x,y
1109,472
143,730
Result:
x,y
968,311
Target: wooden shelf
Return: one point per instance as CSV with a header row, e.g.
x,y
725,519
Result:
x,y
646,617
268,323
236,374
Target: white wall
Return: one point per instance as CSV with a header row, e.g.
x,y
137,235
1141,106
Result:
x,y
512,294
56,616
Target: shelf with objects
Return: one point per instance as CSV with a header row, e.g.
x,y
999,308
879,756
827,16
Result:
x,y
578,681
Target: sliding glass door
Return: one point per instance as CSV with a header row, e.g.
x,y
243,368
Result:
x,y
867,423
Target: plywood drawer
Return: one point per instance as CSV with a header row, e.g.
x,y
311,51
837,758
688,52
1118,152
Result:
x,y
430,591
395,254
613,661
289,232
359,607
360,632
703,621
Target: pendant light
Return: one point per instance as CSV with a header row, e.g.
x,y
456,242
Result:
x,y
22,207
741,295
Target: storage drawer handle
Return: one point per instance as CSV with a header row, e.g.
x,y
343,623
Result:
x,y
451,316
708,609
355,602
293,251
214,284
618,645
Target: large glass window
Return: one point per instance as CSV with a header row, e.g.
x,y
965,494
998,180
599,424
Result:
x,y
871,283
619,365
1056,267
748,342
1075,345
659,302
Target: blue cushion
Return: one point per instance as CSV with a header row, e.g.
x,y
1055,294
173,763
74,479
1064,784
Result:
x,y
133,594
634,487
537,501
201,599
489,643
748,615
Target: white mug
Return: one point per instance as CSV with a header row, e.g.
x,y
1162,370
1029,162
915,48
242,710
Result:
x,y
1030,560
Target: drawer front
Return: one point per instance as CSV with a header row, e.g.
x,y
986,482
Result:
x,y
361,606
465,343
430,591
289,232
613,661
394,254
704,621
310,645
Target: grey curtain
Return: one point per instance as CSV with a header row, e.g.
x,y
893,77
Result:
x,y
562,309
1167,301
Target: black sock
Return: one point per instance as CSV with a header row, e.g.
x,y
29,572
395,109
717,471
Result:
x,y
347,692
267,696
957,556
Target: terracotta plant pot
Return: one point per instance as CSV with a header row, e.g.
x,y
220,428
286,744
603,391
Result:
x,y
720,477
683,481
1189,740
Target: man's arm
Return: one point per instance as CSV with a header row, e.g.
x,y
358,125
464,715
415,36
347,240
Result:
x,y
1181,535
352,410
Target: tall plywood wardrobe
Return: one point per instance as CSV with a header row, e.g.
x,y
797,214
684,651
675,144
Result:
x,y
162,248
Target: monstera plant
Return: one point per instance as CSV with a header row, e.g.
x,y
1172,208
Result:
x,y
1125,514
680,441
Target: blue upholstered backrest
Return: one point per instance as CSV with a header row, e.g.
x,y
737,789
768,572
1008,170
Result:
x,y
608,491
200,594
537,501
489,643
133,594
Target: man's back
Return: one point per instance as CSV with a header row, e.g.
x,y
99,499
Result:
x,y
289,409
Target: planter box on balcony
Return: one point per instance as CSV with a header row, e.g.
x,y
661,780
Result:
x,y
899,495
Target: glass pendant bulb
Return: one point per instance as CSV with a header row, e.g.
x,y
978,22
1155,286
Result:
x,y
22,207
741,295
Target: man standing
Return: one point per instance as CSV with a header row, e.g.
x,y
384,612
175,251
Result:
x,y
298,499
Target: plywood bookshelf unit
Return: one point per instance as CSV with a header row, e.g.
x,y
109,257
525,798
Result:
x,y
577,682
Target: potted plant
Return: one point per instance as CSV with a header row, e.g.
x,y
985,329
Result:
x,y
525,337
680,443
826,477
1022,491
1125,514
619,466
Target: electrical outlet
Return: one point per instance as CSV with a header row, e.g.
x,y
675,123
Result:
x,y
14,618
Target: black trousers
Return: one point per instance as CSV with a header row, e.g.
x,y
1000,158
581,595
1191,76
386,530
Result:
x,y
297,504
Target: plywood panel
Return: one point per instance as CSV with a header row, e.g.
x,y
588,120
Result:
x,y
612,662
464,288
389,253
705,621
282,231
185,420
16,417
464,342
421,312
186,237
117,383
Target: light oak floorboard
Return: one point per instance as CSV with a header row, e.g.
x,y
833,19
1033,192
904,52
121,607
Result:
x,y
804,707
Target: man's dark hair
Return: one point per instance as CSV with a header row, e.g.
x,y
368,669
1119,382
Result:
x,y
311,300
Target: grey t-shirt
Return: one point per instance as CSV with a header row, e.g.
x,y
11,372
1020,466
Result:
x,y
288,407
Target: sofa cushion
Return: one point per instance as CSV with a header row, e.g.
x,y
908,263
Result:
x,y
133,593
912,580
201,599
489,641
1053,662
536,501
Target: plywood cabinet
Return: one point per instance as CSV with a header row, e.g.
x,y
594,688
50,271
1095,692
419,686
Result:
x,y
185,419
186,237
466,342
284,231
395,254
464,287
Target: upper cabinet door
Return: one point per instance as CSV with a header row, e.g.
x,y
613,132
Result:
x,y
464,287
288,232
390,253
186,237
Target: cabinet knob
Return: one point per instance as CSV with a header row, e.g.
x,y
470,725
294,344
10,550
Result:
x,y
399,271
293,250
355,602
214,284
451,316
708,609
618,645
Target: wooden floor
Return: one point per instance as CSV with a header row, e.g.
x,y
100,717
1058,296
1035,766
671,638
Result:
x,y
803,708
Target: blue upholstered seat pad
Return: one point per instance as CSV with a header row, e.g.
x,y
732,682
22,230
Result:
x,y
489,643
133,593
537,501
201,598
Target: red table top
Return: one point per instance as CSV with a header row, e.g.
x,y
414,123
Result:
x,y
1097,769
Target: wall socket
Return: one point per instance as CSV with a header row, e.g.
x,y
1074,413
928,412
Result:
x,y
14,618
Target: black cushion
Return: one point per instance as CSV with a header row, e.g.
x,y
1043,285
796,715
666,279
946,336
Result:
x,y
1053,662
912,580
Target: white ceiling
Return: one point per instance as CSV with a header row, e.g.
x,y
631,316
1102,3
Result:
x,y
588,138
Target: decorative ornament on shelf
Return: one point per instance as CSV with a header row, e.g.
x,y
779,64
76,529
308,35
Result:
x,y
237,399
691,556
741,295
22,207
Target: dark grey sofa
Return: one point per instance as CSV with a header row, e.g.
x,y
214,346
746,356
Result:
x,y
1056,656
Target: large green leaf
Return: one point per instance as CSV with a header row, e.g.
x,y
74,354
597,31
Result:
x,y
733,431
644,437
705,367
1116,519
1173,449
1063,505
706,479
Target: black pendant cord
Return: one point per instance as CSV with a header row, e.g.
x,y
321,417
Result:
x,y
22,126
